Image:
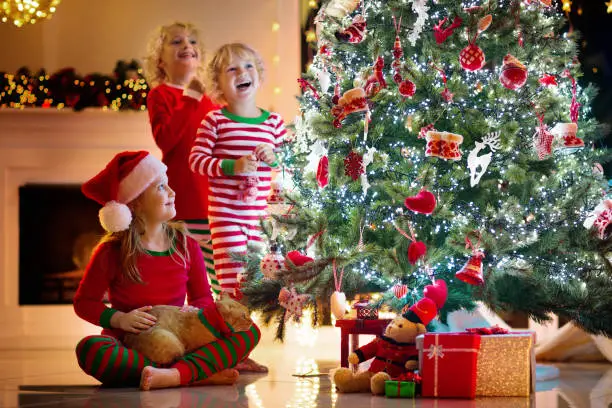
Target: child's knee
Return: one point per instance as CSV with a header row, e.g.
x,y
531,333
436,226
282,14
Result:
x,y
256,334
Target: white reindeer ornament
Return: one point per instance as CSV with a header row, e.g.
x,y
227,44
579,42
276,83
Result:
x,y
478,164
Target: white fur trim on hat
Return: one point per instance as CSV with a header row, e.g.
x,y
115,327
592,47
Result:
x,y
115,217
137,181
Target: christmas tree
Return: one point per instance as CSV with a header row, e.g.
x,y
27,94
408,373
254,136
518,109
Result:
x,y
448,140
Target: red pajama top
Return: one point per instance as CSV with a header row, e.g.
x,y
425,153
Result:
x,y
175,115
166,282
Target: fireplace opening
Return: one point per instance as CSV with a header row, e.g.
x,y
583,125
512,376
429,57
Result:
x,y
58,229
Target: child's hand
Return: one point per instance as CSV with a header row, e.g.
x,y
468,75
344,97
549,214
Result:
x,y
246,164
265,153
196,85
135,321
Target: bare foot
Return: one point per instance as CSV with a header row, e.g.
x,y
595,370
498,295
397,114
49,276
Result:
x,y
153,378
250,365
229,376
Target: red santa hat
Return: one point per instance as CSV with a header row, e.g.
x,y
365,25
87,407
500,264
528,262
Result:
x,y
426,309
123,179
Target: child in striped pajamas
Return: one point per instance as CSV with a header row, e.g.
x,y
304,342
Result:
x,y
146,260
176,105
235,148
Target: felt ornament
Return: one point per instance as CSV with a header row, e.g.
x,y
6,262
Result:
x,y
337,301
417,249
298,259
424,202
294,303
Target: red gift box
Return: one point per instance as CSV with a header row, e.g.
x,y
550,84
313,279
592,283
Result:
x,y
448,365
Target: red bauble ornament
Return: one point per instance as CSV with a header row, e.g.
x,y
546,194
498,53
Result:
x,y
323,172
424,202
472,58
407,88
437,292
353,165
472,271
514,74
416,251
400,290
298,259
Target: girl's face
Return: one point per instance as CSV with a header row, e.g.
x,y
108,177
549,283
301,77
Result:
x,y
180,56
156,203
239,80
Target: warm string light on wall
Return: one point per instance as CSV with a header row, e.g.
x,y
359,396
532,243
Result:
x,y
22,12
276,57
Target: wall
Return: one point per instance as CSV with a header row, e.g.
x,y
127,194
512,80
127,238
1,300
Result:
x,y
91,36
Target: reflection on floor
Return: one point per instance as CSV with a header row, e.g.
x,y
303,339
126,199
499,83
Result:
x,y
52,378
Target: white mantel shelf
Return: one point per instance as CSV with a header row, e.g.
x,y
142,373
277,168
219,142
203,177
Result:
x,y
56,147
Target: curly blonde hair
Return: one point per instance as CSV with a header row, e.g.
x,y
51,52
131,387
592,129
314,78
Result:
x,y
222,59
154,74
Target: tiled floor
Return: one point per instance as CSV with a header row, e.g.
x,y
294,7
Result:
x,y
53,379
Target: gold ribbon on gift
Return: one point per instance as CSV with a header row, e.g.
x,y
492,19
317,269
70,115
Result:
x,y
436,351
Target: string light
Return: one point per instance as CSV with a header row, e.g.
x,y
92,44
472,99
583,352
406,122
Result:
x,y
521,223
22,12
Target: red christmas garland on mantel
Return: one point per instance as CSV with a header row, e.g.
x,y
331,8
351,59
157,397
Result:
x,y
125,89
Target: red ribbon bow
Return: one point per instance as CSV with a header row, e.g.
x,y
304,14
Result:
x,y
487,330
410,377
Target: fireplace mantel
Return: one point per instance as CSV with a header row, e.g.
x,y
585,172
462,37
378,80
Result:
x,y
56,147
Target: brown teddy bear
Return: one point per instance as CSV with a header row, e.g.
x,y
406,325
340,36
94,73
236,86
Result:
x,y
395,351
178,332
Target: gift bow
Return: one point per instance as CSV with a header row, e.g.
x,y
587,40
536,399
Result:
x,y
487,330
410,377
435,351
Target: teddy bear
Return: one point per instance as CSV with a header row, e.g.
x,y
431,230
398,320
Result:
x,y
394,352
177,331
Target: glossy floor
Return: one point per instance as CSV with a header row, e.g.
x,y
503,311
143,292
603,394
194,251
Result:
x,y
52,378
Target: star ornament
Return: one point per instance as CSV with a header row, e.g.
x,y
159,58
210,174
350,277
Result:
x,y
609,4
294,303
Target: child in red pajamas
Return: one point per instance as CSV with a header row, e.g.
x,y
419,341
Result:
x,y
177,104
145,260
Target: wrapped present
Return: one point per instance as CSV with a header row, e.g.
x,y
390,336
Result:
x,y
448,363
404,386
366,311
400,389
506,364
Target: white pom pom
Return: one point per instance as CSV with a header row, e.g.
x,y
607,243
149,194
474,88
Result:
x,y
115,217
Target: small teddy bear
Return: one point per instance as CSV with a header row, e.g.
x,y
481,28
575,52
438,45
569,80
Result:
x,y
177,332
395,351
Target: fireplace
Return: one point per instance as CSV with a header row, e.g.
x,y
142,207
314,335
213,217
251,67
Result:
x,y
45,155
58,229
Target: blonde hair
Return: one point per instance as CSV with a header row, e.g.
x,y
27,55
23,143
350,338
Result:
x,y
154,74
222,59
130,245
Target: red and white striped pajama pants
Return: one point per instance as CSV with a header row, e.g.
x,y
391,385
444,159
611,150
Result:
x,y
230,238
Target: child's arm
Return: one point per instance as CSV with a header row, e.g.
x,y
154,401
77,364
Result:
x,y
87,302
170,123
281,132
202,161
198,289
